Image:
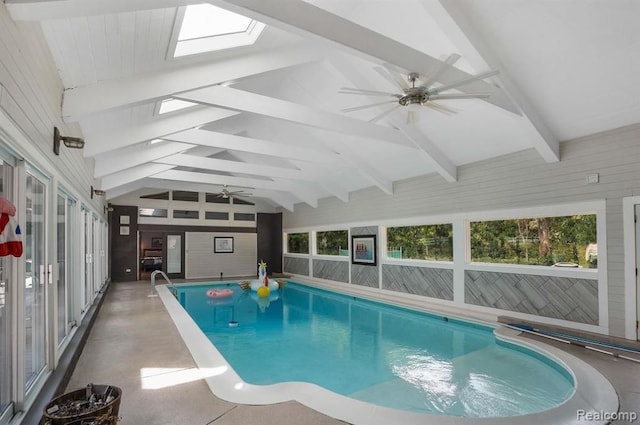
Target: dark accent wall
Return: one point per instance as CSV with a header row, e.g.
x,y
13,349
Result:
x,y
124,248
270,240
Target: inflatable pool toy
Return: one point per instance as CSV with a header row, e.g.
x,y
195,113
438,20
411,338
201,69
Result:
x,y
263,280
263,291
271,284
219,293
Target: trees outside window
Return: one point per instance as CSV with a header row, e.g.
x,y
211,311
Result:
x,y
335,242
427,242
546,241
298,243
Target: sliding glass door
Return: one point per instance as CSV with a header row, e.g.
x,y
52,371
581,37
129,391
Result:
x,y
37,275
7,294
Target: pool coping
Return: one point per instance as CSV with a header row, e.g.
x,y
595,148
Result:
x,y
593,392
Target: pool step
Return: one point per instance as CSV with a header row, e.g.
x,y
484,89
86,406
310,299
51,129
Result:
x,y
394,392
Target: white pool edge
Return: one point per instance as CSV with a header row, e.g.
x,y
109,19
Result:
x,y
593,393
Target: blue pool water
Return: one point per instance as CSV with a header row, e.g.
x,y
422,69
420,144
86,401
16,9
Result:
x,y
377,353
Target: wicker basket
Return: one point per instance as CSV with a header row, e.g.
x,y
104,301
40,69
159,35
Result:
x,y
109,410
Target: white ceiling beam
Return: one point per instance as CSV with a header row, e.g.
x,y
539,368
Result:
x,y
304,192
293,112
456,24
132,174
241,100
308,20
125,189
41,10
185,160
80,102
370,172
327,177
123,136
257,146
121,159
282,199
273,197
433,154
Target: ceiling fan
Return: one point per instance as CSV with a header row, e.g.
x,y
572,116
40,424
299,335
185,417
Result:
x,y
225,193
425,94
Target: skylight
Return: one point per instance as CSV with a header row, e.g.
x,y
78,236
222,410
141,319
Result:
x,y
206,28
171,105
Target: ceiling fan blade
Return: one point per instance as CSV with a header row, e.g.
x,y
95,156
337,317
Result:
x,y
392,76
430,79
464,81
440,108
482,95
384,114
347,90
357,108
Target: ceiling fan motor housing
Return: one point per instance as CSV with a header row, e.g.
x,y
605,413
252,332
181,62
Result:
x,y
415,95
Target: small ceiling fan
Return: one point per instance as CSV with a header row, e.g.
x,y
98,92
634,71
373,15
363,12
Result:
x,y
413,97
225,193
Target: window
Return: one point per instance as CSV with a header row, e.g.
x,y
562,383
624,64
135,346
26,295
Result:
x,y
215,215
185,214
244,217
428,242
298,243
152,212
162,195
334,242
215,198
172,105
567,241
239,201
181,195
207,28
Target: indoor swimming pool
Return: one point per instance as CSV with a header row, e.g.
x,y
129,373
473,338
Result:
x,y
376,353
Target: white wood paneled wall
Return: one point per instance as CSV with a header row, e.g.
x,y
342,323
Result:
x,y
519,180
31,97
202,262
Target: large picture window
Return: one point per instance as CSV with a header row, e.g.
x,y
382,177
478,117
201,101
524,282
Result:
x,y
334,242
566,241
298,243
428,242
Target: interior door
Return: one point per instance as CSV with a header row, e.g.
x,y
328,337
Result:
x,y
173,255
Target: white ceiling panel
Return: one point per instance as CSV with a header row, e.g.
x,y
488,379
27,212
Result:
x,y
566,69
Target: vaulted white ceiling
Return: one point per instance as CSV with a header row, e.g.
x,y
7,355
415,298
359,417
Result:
x,y
268,115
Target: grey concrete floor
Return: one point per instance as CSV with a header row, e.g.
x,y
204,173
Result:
x,y
133,334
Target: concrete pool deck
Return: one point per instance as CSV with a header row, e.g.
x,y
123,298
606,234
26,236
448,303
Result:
x,y
136,346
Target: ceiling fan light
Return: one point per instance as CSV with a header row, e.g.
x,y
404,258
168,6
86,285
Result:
x,y
413,107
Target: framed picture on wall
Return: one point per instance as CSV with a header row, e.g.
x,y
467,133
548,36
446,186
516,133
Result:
x,y
156,243
222,244
363,250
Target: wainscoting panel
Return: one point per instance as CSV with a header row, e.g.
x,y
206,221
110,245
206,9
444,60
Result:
x,y
564,298
296,265
331,270
434,283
